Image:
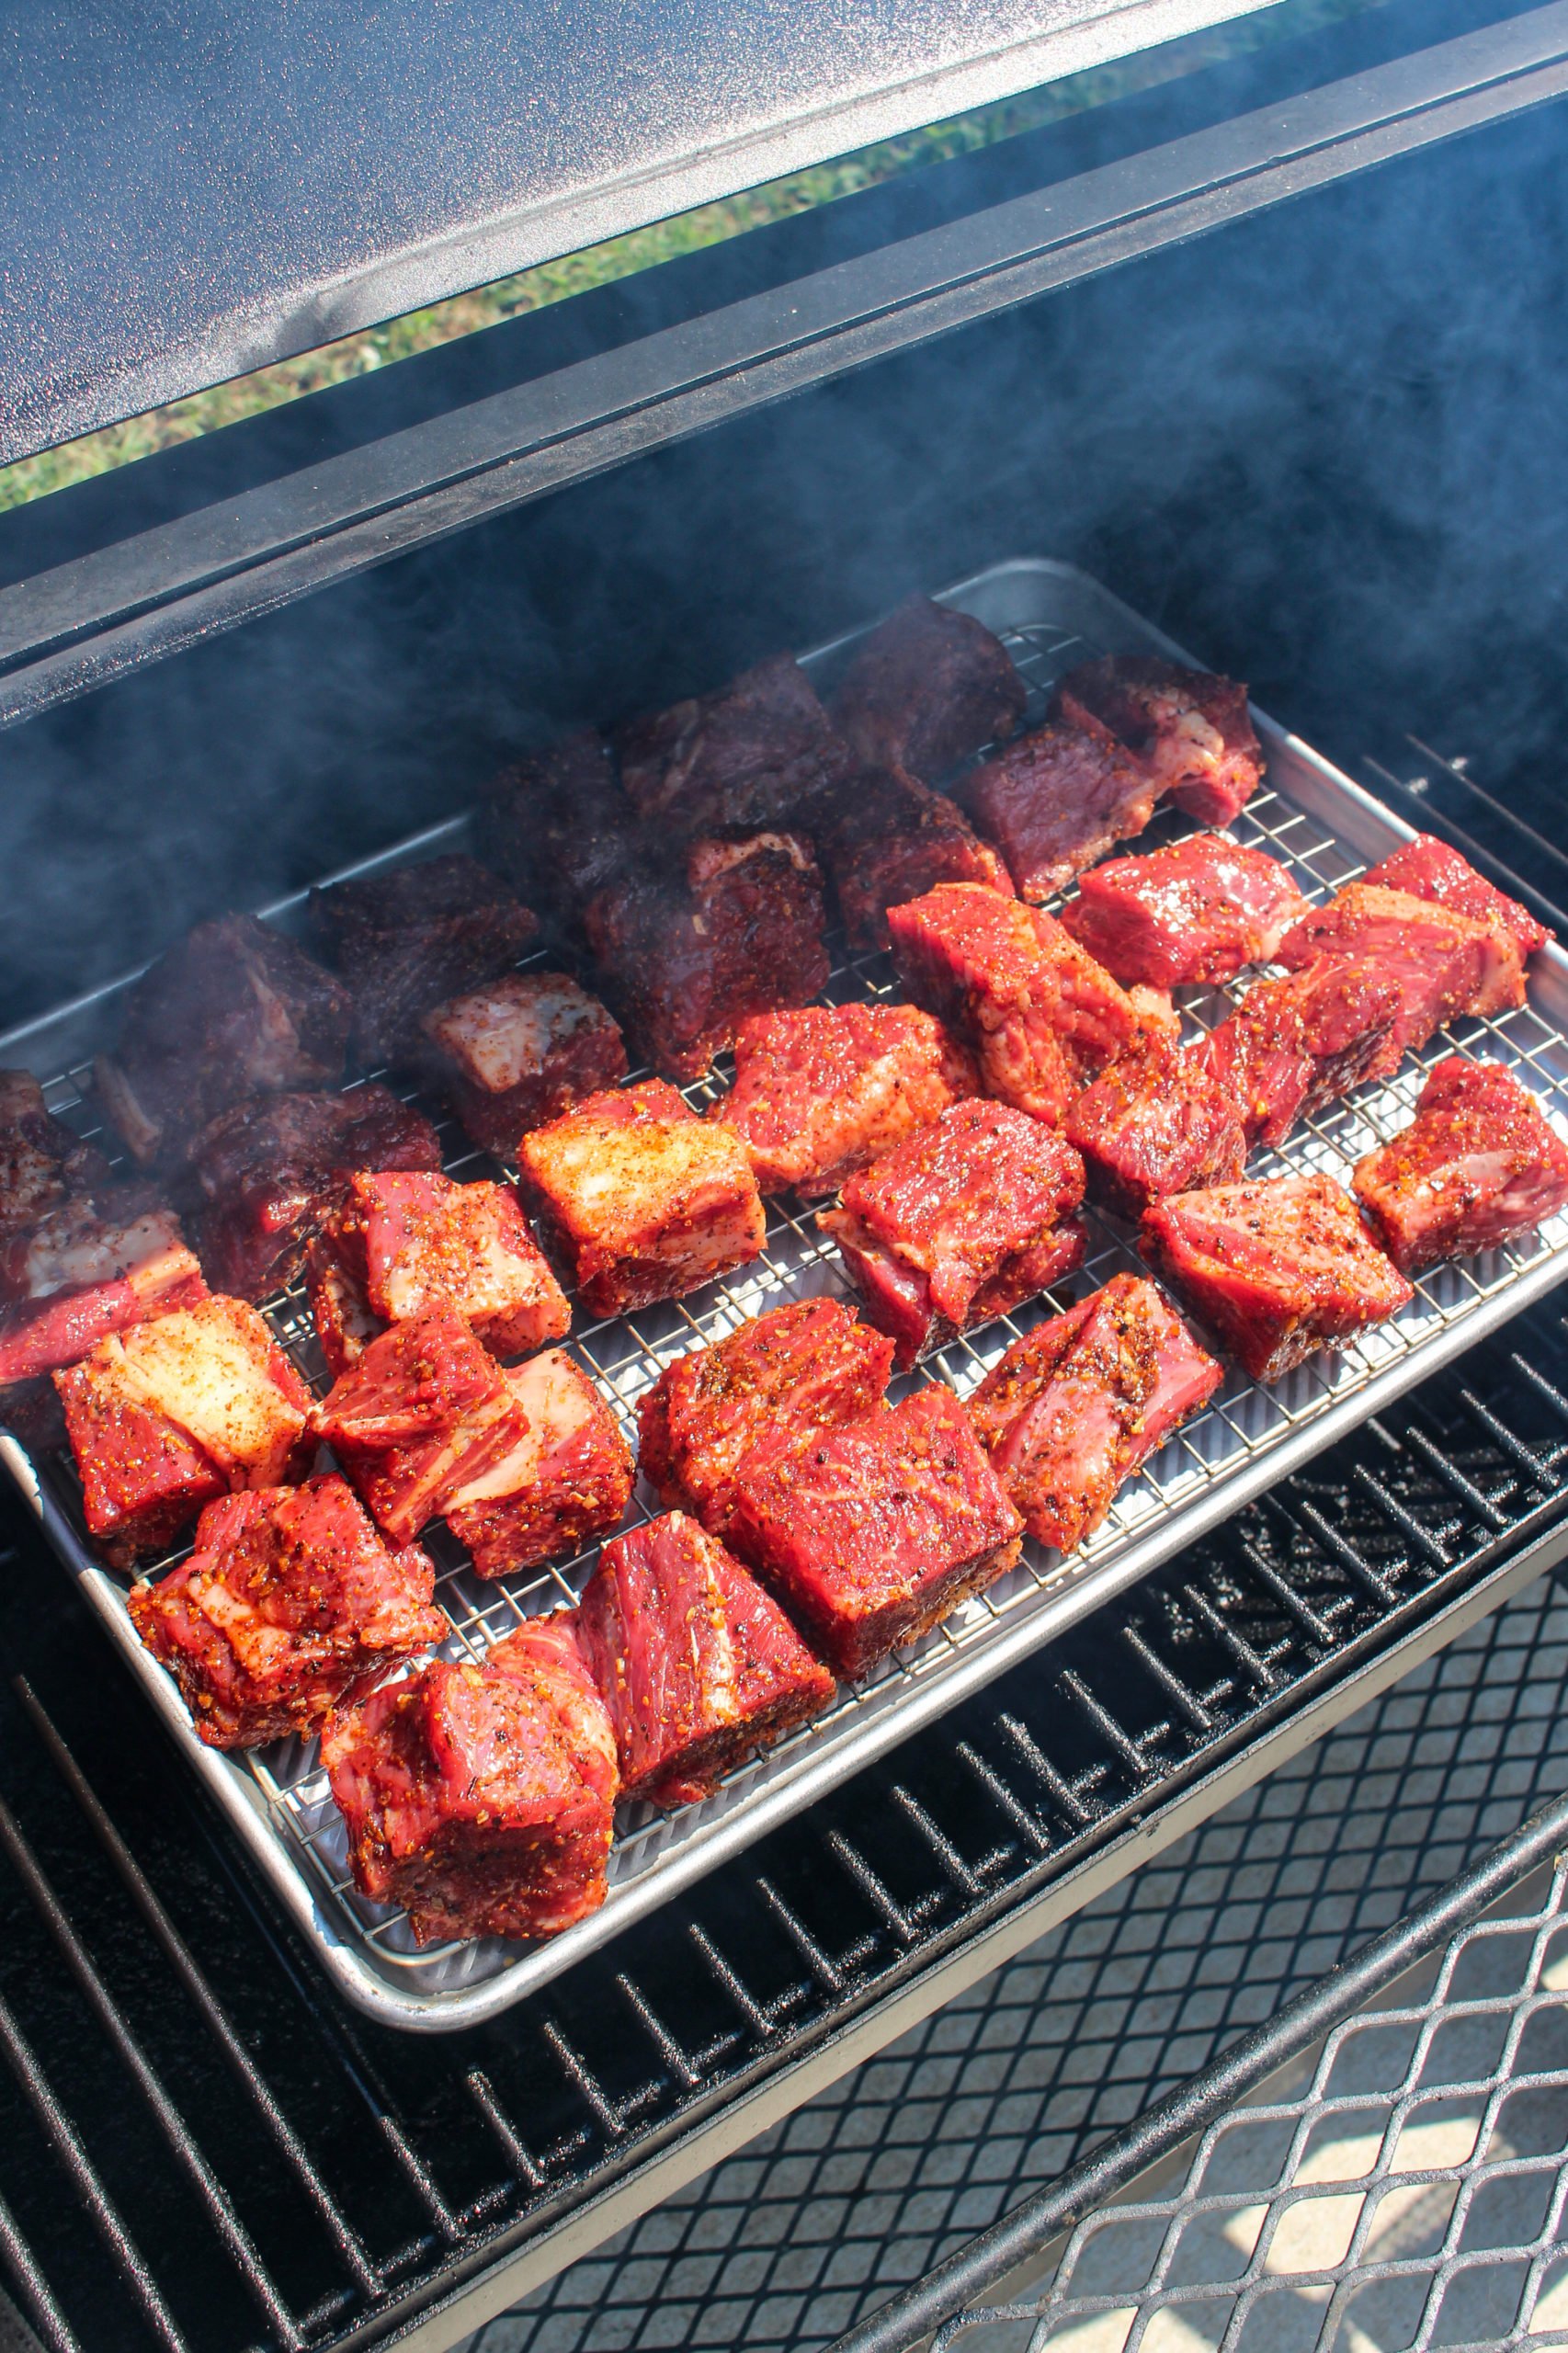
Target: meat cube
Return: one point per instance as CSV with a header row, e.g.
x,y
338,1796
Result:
x,y
232,1011
480,1798
1428,869
927,689
959,1223
175,1412
1197,910
648,1200
687,956
521,1051
1444,964
1079,1404
1294,1044
405,940
567,1477
42,1160
1477,1165
872,1534
289,1606
271,1170
414,1241
889,838
698,1666
1155,1123
759,751
559,828
1043,1017
822,1092
1056,799
1190,730
810,1366
94,1266
1277,1268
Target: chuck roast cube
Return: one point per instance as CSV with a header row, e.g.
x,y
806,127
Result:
x,y
567,1475
961,1223
757,752
927,689
1155,1124
1298,1042
1079,1404
648,1200
521,1051
481,1798
417,1240
1043,1017
95,1265
405,940
698,1666
1056,799
1476,1165
1197,910
872,1534
1428,869
822,1091
558,827
888,838
1276,1269
43,1162
289,1605
812,1365
1190,730
1442,963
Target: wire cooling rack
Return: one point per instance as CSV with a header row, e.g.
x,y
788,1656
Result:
x,y
1326,830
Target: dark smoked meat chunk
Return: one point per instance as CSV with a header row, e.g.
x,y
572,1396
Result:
x,y
760,751
558,827
42,1160
1195,911
405,940
1428,869
1298,1042
889,837
521,1051
1054,800
1189,728
1476,1165
1443,964
97,1264
1155,1123
927,689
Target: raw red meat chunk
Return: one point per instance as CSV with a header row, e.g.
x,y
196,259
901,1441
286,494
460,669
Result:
x,y
95,1265
810,1366
757,752
1054,800
1043,1017
522,1050
889,838
289,1605
1190,730
1428,869
1296,1043
927,687
1444,964
482,1799
1155,1123
567,1476
1277,1268
1477,1165
173,1413
1197,910
959,1223
1081,1402
405,940
410,1242
822,1091
559,828
649,1201
872,1534
42,1160
698,1666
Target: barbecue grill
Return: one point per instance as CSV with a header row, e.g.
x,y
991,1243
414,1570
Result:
x,y
1310,439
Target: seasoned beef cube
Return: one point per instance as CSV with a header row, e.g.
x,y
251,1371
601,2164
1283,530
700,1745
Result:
x,y
889,838
271,1171
698,1666
1294,1044
175,1412
1056,799
559,828
647,1200
758,751
346,1322
233,1010
1444,964
1155,1123
872,1534
820,1091
1189,728
289,1606
567,1477
687,956
42,1160
405,940
480,1798
1043,1017
811,1365
1277,1268
1197,910
410,1242
94,1266
1428,869
1079,1404
521,1051
1477,1165
927,689
959,1223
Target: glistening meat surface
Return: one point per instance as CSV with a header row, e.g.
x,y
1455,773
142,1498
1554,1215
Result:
x,y
1195,911
1477,1165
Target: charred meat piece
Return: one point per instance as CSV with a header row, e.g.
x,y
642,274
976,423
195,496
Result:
x,y
559,828
568,1475
959,1223
1444,964
1477,1165
409,1241
810,1366
872,1534
1294,1044
94,1266
824,1091
480,1798
1043,1017
648,1200
289,1606
927,689
405,940
759,751
1155,1124
1197,910
1053,801
42,1160
233,1010
1080,1403
521,1051
698,1666
1190,730
1277,1268
1428,869
889,838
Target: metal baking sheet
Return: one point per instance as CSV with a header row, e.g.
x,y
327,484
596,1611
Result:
x,y
1327,829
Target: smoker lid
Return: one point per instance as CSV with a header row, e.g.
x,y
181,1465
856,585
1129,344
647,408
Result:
x,y
191,190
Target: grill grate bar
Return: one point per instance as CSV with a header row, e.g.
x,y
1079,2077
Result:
x,y
33,2288
1114,1738
1344,1551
